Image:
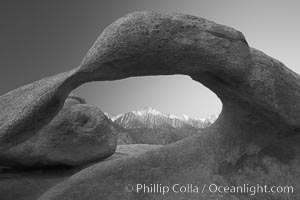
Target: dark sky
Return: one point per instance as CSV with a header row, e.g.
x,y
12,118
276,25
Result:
x,y
40,38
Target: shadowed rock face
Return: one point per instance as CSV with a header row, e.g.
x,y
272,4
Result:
x,y
254,141
30,184
78,135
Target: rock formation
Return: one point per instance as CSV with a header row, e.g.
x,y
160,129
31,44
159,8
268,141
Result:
x,y
18,184
78,135
254,141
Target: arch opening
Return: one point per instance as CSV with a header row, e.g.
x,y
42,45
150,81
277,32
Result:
x,y
151,105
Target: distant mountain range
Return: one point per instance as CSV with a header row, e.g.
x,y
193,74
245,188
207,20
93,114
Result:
x,y
150,126
152,118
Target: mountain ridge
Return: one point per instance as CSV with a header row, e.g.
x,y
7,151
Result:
x,y
149,117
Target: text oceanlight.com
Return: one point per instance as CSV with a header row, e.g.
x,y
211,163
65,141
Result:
x,y
211,188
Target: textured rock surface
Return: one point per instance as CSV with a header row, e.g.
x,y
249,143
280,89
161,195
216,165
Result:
x,y
25,110
79,134
29,185
254,141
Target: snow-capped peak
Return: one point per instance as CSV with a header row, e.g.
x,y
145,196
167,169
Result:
x,y
151,117
116,117
148,110
210,118
182,117
185,117
172,116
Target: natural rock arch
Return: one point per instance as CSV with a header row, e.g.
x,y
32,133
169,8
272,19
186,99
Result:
x,y
258,127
